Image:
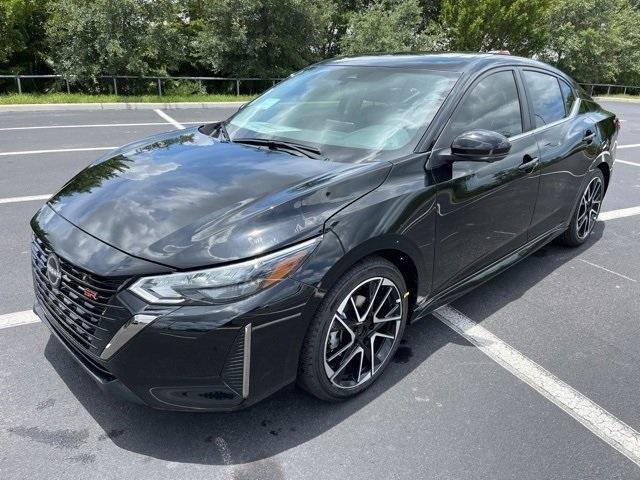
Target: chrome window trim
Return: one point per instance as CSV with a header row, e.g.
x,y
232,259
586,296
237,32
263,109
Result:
x,y
572,115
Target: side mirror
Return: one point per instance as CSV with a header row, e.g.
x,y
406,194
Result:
x,y
480,146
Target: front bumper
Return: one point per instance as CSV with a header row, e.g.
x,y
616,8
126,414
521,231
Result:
x,y
197,358
109,385
204,358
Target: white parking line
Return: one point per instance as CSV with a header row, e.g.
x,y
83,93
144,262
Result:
x,y
607,270
631,145
610,429
59,150
32,198
98,125
627,162
623,212
173,122
18,318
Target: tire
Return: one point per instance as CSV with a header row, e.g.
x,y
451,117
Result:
x,y
349,325
590,201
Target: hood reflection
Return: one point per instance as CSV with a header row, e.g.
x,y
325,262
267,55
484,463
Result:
x,y
185,199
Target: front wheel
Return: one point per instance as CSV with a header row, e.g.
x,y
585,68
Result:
x,y
355,332
586,212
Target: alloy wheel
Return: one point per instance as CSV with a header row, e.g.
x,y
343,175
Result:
x,y
363,332
589,208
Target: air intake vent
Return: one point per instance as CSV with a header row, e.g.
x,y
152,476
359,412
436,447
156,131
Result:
x,y
233,372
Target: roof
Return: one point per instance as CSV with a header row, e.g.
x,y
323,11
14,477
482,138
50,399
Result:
x,y
455,62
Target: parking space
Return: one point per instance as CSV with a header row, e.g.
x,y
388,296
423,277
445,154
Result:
x,y
84,118
444,409
38,174
101,136
625,190
630,115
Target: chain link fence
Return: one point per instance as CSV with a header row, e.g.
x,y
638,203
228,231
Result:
x,y
135,85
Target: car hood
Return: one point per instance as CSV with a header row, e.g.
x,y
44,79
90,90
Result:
x,y
184,199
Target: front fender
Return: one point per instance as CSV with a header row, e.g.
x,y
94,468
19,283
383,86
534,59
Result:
x,y
397,220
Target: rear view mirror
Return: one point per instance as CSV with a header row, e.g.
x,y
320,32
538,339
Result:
x,y
480,146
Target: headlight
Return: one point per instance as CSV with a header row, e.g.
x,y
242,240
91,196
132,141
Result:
x,y
225,283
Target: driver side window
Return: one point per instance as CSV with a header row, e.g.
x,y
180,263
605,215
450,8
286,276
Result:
x,y
492,104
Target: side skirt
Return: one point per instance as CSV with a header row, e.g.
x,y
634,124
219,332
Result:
x,y
464,286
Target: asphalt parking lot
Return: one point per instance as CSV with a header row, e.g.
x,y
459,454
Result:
x,y
445,409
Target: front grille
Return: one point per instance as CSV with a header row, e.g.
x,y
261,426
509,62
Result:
x,y
87,323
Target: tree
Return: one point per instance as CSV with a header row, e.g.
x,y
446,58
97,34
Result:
x,y
22,33
519,26
89,39
263,38
595,40
389,26
431,8
6,46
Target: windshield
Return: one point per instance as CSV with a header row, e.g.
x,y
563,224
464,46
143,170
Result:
x,y
345,111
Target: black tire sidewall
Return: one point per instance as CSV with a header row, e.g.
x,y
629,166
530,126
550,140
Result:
x,y
571,235
374,267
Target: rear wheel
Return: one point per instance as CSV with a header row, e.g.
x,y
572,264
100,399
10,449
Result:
x,y
586,212
355,332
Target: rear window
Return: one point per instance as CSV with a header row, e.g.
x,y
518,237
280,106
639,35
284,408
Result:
x,y
546,97
568,96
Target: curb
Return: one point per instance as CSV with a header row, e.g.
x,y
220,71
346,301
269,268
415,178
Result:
x,y
35,107
617,99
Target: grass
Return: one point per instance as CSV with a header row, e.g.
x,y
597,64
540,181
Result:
x,y
29,98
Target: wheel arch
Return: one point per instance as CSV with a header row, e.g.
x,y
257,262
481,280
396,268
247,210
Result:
x,y
395,249
606,173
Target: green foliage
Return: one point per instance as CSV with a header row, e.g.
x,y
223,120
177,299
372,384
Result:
x,y
6,46
22,35
136,37
515,25
263,38
177,87
595,40
29,98
386,26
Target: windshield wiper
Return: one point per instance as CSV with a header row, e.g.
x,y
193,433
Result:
x,y
222,128
306,150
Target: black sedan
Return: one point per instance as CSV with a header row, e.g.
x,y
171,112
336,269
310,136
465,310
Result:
x,y
205,268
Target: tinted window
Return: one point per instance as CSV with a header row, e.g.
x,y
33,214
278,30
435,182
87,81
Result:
x,y
587,106
568,96
548,104
492,104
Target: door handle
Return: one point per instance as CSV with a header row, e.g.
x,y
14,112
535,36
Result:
x,y
528,163
588,136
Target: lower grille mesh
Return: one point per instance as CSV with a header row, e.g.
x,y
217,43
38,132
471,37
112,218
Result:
x,y
81,305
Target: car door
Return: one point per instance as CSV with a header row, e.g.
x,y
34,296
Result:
x,y
567,141
484,209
